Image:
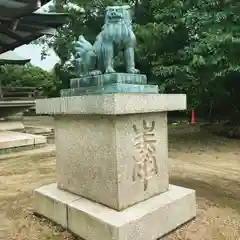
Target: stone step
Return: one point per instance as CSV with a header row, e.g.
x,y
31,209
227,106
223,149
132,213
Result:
x,y
16,141
48,132
11,125
47,150
42,130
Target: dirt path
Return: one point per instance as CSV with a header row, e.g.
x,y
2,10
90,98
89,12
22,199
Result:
x,y
201,161
210,165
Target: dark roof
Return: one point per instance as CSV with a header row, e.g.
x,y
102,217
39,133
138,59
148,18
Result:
x,y
21,25
13,9
11,57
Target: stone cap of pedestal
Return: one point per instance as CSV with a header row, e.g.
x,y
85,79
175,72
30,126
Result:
x,y
111,104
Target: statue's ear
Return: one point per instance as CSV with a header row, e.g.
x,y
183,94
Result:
x,y
126,7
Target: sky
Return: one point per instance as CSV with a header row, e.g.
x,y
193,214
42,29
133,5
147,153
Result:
x,y
33,52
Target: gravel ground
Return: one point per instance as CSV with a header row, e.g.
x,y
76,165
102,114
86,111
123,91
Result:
x,y
206,163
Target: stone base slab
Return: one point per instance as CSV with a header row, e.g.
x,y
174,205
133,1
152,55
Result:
x,y
52,203
150,219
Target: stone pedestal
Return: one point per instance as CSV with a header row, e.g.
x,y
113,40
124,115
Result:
x,y
112,167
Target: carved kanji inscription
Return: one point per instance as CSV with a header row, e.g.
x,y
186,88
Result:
x,y
145,163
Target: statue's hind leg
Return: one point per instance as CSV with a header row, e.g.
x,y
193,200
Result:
x,y
108,58
130,61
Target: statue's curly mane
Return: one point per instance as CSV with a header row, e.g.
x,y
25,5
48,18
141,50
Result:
x,y
116,33
120,32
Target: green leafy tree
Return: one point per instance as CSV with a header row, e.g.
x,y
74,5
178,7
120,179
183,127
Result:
x,y
28,76
213,54
189,46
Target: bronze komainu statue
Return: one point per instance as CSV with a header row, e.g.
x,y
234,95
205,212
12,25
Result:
x,y
116,35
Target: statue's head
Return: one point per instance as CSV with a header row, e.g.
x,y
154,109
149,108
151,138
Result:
x,y
115,14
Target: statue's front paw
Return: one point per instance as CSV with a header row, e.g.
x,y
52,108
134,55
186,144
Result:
x,y
110,70
133,70
95,72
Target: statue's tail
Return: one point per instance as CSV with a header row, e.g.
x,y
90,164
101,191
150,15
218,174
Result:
x,y
83,50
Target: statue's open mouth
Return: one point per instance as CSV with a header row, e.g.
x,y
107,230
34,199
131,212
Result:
x,y
115,17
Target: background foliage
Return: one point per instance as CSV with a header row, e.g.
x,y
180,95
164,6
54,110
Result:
x,y
29,76
184,46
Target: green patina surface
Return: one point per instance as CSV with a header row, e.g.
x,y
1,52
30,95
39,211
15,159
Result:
x,y
110,88
116,36
95,63
109,83
111,78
